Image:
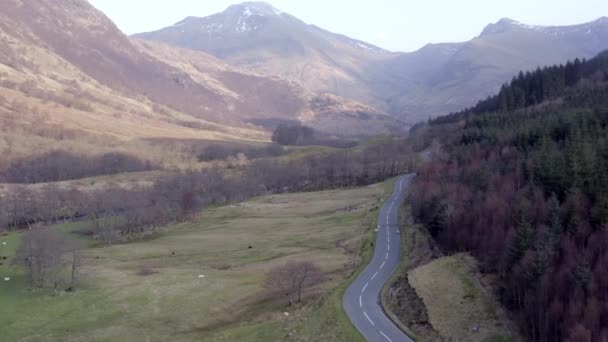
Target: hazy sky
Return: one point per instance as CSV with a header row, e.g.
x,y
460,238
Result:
x,y
402,25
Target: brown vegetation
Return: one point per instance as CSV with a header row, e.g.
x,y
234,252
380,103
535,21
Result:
x,y
116,213
60,165
292,279
44,253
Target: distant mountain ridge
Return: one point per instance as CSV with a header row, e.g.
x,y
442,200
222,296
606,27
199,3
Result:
x,y
435,80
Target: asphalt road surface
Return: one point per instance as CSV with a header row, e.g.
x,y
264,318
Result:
x,y
362,299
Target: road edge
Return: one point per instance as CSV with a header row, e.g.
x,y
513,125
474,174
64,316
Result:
x,y
391,280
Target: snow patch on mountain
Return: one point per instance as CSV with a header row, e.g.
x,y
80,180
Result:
x,y
506,25
247,12
529,27
366,47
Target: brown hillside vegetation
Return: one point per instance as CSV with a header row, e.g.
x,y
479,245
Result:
x,y
51,97
270,98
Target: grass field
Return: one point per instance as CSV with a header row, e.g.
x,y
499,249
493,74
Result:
x,y
458,306
114,303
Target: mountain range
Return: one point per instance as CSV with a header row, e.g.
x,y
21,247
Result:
x,y
437,79
70,77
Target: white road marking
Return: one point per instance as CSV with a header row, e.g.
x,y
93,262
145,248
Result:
x,y
364,287
386,256
382,266
386,337
369,319
360,302
374,276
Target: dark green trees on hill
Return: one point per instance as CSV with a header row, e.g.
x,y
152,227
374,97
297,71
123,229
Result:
x,y
292,135
542,85
525,178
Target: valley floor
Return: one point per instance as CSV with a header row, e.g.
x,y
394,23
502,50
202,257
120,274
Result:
x,y
232,247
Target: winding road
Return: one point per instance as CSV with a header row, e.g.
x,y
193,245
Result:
x,y
362,299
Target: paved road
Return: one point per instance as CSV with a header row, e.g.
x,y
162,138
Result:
x,y
361,300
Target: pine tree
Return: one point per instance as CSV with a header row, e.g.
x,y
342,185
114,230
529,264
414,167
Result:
x,y
523,240
553,220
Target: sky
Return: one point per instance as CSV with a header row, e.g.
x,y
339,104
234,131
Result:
x,y
397,25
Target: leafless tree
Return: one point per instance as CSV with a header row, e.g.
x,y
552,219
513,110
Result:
x,y
51,258
292,279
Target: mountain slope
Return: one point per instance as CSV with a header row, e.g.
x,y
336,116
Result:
x,y
324,112
434,80
66,66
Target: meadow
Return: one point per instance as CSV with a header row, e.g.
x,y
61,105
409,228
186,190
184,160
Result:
x,y
151,290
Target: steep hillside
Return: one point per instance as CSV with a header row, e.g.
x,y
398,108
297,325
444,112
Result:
x,y
437,79
70,80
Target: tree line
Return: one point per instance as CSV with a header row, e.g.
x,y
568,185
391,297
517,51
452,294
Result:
x,y
116,213
61,165
524,189
215,152
535,87
300,135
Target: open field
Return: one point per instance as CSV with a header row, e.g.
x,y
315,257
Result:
x,y
114,303
459,307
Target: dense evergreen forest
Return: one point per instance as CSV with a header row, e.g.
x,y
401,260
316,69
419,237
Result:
x,y
522,184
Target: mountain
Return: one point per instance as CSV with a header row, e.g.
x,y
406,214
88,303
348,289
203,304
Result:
x,y
69,78
437,79
478,68
258,36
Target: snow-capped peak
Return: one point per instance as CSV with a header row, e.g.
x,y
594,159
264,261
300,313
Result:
x,y
507,24
248,16
248,9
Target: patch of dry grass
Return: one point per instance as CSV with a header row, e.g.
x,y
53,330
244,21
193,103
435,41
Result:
x,y
458,306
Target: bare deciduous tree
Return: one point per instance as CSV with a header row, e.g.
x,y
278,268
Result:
x,y
45,254
292,279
